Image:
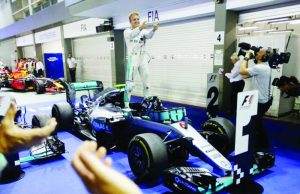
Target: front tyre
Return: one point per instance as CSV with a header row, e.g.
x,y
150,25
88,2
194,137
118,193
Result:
x,y
148,156
221,133
64,115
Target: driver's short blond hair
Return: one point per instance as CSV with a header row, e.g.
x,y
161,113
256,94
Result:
x,y
132,14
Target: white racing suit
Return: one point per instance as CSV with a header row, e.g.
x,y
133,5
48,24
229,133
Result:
x,y
137,61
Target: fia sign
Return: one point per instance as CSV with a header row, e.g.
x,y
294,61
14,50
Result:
x,y
153,16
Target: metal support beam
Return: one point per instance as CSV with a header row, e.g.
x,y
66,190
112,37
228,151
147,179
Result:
x,y
225,21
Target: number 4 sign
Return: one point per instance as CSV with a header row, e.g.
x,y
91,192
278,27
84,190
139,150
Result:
x,y
219,38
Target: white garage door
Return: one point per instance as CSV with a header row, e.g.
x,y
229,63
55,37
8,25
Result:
x,y
28,52
7,52
52,47
181,58
94,59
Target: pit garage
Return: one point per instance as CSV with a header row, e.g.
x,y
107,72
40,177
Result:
x,y
154,96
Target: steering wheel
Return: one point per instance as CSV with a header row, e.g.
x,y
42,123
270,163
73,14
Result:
x,y
152,103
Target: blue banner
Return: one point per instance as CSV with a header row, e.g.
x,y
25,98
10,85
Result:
x,y
54,65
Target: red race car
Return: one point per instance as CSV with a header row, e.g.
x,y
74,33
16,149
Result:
x,y
23,80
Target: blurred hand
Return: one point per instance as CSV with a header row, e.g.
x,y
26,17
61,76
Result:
x,y
98,176
13,138
144,25
155,26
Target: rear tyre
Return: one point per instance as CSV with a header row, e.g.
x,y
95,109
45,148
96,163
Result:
x,y
221,134
39,87
63,113
148,156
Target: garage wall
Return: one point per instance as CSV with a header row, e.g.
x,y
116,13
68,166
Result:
x,y
181,55
52,47
93,55
7,52
28,52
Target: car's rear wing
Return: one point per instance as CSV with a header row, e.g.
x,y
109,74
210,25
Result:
x,y
71,88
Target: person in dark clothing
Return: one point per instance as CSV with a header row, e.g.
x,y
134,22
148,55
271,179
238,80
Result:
x,y
72,64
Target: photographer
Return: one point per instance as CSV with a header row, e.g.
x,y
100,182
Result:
x,y
236,80
261,81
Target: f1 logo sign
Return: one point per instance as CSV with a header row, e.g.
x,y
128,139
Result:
x,y
212,78
247,101
247,107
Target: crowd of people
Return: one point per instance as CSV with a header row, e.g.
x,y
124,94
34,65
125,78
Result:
x,y
33,65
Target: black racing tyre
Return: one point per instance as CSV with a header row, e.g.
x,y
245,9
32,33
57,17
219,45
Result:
x,y
39,87
223,128
148,156
64,115
39,120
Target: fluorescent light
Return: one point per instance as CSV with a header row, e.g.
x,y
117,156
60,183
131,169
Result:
x,y
280,22
281,31
272,20
247,28
295,21
244,34
266,30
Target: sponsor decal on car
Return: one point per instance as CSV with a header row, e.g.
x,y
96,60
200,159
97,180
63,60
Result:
x,y
184,183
